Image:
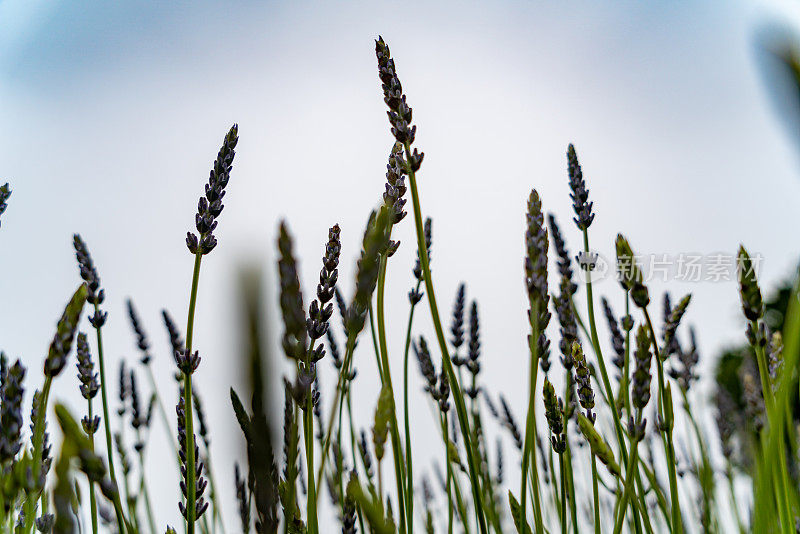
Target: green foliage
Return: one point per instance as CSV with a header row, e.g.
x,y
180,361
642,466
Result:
x,y
519,524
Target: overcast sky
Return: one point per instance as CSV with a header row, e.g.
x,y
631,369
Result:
x,y
111,114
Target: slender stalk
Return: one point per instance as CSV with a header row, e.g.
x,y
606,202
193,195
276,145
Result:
x,y
595,498
488,485
292,461
529,445
568,456
600,360
665,406
563,493
146,494
460,506
601,363
380,479
375,342
107,420
626,365
409,464
191,486
337,399
707,494
734,501
449,467
129,497
339,460
458,398
353,451
642,510
92,497
397,452
308,431
655,486
629,481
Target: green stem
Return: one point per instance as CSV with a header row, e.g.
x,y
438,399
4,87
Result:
x,y
734,501
107,419
129,499
375,342
397,452
665,405
339,459
191,488
595,497
629,481
460,506
563,494
655,486
603,372
92,497
308,435
308,430
627,355
353,452
457,498
488,484
409,465
705,467
338,398
529,444
553,479
291,479
449,468
146,493
474,473
568,456
600,360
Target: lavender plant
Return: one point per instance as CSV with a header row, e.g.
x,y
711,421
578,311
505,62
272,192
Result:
x,y
594,452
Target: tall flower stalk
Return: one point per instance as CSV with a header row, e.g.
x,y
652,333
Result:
x,y
95,297
753,308
632,280
536,247
394,204
54,363
400,118
209,207
89,388
636,425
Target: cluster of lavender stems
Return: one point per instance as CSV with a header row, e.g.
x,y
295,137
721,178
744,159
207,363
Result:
x,y
640,478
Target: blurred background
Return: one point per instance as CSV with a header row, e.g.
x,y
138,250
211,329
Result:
x,y
111,114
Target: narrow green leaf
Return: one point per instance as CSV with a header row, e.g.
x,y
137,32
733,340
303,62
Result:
x,y
517,515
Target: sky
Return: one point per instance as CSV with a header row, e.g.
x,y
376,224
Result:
x,y
112,113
